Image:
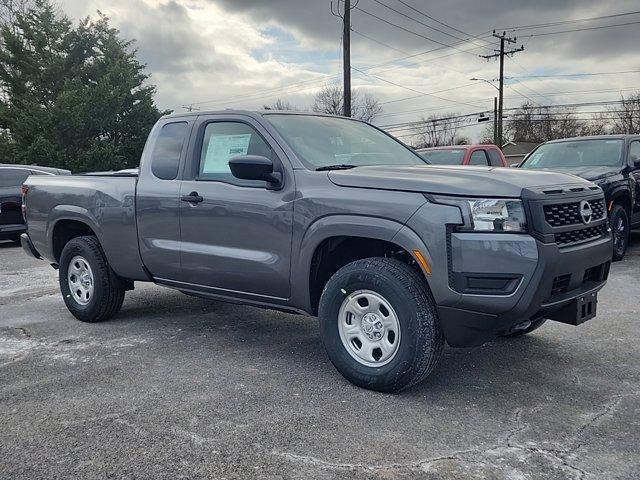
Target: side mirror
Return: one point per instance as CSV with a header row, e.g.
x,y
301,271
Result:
x,y
255,167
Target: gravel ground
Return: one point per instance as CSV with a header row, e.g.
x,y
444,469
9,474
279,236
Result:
x,y
178,387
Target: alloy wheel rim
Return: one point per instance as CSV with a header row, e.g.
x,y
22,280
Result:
x,y
369,328
80,280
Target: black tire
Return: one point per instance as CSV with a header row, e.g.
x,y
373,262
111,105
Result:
x,y
16,240
421,341
536,324
619,221
108,290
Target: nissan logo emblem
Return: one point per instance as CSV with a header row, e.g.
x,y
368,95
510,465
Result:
x,y
585,212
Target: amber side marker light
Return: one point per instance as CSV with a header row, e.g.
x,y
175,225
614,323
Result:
x,y
422,261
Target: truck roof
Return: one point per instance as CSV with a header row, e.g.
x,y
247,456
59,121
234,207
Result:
x,y
253,113
623,136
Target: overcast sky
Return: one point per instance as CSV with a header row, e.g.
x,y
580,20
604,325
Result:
x,y
246,53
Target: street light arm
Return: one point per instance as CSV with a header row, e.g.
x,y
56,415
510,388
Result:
x,y
486,81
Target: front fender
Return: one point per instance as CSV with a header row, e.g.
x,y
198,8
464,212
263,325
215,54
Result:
x,y
344,225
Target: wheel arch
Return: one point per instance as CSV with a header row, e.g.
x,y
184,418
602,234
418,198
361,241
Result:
x,y
66,223
621,197
334,241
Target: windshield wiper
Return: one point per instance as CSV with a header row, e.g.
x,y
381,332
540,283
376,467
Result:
x,y
340,166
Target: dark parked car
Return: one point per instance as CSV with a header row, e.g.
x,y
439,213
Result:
x,y
482,155
11,179
610,161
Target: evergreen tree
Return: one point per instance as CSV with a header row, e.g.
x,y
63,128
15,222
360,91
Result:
x,y
72,97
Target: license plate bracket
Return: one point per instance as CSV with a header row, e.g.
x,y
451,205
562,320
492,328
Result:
x,y
578,311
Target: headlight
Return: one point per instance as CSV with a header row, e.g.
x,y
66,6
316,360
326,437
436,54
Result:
x,y
489,214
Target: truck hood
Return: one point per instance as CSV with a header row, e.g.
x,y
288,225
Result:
x,y
588,173
451,180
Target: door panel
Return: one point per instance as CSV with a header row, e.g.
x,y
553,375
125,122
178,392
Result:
x,y
238,238
158,199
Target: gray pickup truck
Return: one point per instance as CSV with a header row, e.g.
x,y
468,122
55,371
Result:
x,y
329,217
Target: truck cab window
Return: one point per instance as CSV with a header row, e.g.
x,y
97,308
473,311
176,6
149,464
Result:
x,y
165,157
224,140
479,157
495,158
634,152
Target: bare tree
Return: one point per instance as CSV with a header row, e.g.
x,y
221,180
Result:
x,y
537,124
434,131
280,104
329,99
618,119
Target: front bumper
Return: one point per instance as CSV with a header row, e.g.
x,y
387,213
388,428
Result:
x,y
559,277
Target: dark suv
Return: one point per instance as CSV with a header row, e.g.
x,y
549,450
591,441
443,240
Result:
x,y
11,179
610,161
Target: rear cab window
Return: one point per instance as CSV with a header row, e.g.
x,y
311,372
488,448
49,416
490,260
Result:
x,y
494,157
479,157
167,150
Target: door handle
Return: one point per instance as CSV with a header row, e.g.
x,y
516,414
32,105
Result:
x,y
193,197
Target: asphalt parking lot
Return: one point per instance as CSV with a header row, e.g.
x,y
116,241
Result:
x,y
179,387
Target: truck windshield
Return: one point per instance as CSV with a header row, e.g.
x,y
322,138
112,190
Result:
x,y
578,153
322,142
444,157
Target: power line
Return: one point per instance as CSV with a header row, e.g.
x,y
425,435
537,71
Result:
x,y
588,74
418,21
567,22
409,88
446,45
423,13
378,41
580,29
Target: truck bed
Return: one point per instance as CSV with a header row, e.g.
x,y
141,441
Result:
x,y
105,202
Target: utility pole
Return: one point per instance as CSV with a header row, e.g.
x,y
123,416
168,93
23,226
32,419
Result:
x,y
501,54
190,108
346,57
495,121
345,15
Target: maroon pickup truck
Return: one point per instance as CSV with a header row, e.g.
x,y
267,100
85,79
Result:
x,y
483,155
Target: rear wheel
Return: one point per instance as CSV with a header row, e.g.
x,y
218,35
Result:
x,y
90,289
620,231
379,324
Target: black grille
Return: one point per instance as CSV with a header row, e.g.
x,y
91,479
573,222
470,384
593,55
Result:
x,y
563,214
598,209
560,284
582,235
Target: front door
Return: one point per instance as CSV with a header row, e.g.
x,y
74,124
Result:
x,y
237,239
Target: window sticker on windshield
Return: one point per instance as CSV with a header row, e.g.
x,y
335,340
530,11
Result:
x,y
223,148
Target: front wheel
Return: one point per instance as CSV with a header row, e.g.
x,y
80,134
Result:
x,y
620,231
90,289
379,324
